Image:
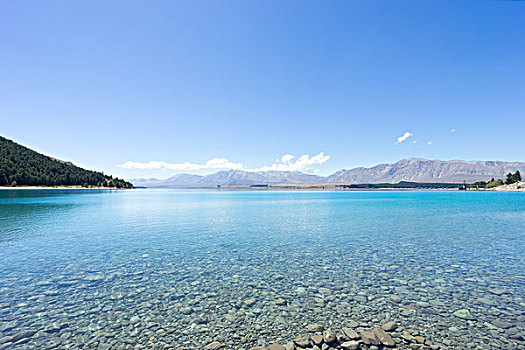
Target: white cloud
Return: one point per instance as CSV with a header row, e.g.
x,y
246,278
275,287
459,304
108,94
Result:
x,y
429,142
304,163
215,163
405,136
452,130
222,163
286,158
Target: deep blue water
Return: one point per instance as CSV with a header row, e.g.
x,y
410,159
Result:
x,y
51,241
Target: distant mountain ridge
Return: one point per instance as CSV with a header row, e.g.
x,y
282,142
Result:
x,y
413,169
426,170
231,178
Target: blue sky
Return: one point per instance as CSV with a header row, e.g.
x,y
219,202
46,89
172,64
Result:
x,y
109,83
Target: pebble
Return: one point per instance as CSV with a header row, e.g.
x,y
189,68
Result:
x,y
351,345
315,328
389,326
276,347
369,338
303,341
214,345
383,337
350,333
464,314
328,337
501,324
352,324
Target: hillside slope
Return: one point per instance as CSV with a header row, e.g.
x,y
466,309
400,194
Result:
x,y
21,166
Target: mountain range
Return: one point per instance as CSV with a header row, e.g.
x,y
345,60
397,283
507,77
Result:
x,y
413,169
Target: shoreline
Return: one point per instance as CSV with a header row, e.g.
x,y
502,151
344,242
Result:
x,y
60,188
515,187
404,186
312,189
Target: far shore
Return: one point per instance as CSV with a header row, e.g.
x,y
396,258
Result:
x,y
315,187
517,187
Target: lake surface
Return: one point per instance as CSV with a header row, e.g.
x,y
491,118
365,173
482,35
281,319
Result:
x,y
161,269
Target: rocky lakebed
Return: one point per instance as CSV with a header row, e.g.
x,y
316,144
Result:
x,y
252,271
244,297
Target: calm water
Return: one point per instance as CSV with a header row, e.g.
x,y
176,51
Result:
x,y
160,269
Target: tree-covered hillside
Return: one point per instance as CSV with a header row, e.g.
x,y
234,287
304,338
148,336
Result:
x,y
20,166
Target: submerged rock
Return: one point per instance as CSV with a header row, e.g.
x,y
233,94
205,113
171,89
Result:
x,y
352,324
369,338
315,328
303,341
214,345
350,333
350,345
22,335
317,339
328,337
276,346
383,337
464,314
390,326
502,324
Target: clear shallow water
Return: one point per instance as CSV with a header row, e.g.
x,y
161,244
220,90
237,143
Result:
x,y
162,269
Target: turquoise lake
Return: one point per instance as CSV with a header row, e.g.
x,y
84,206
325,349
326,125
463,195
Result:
x,y
167,269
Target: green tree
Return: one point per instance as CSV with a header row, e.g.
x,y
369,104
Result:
x,y
495,183
513,178
479,184
510,178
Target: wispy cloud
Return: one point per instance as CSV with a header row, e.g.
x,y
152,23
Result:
x,y
304,163
429,142
452,130
404,137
